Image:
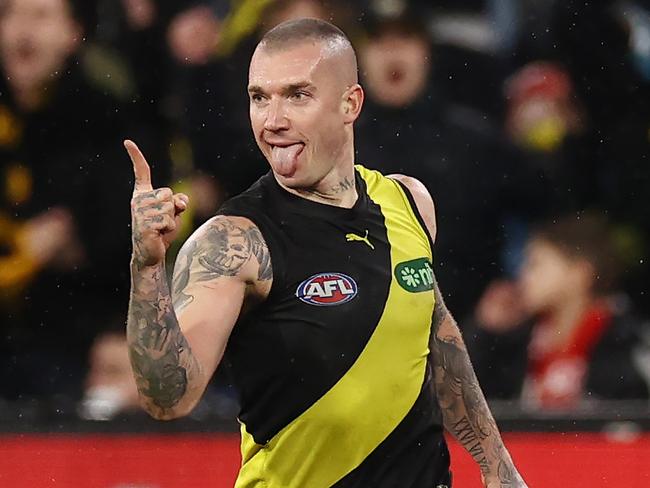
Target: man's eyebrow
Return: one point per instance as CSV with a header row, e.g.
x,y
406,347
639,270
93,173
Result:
x,y
297,86
291,88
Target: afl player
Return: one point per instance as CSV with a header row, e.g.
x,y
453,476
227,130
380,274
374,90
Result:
x,y
317,284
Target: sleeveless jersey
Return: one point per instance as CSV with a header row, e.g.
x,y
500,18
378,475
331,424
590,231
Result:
x,y
333,368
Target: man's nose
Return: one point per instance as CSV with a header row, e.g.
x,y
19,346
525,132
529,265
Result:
x,y
276,118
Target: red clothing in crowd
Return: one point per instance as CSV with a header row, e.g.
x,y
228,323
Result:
x,y
557,371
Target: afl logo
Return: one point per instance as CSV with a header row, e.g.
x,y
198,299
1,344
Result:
x,y
325,289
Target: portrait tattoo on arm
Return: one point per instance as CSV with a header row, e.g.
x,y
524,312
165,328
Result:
x,y
466,414
223,250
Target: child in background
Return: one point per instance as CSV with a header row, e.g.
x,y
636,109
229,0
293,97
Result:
x,y
561,334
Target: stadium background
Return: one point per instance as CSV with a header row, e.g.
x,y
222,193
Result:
x,y
518,115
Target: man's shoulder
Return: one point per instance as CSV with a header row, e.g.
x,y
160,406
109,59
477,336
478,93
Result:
x,y
421,199
414,185
418,191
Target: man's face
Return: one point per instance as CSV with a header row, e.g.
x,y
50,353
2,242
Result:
x,y
297,112
396,67
36,38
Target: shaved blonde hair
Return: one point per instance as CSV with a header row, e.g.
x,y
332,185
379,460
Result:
x,y
334,41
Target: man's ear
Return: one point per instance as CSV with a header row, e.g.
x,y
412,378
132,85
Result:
x,y
352,103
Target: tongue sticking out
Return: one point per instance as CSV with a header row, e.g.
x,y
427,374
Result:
x,y
285,159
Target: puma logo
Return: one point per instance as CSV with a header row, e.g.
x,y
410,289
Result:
x,y
354,237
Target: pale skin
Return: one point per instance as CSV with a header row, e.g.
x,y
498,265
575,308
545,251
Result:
x,y
305,95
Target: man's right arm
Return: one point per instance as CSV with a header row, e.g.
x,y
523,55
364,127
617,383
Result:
x,y
175,344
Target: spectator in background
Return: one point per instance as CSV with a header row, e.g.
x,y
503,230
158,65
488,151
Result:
x,y
542,109
561,335
62,231
545,121
193,33
109,387
408,126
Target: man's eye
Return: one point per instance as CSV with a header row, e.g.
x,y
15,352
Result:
x,y
257,98
298,96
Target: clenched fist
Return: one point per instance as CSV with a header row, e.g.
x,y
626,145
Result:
x,y
155,214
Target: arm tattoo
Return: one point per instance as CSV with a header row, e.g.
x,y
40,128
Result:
x,y
182,277
161,358
465,411
261,253
223,250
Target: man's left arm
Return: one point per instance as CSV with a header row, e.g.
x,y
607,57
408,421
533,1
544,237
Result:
x,y
465,412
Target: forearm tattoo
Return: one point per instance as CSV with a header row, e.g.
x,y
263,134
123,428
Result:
x,y
465,411
161,358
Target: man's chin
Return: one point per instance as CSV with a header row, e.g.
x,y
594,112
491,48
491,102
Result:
x,y
290,181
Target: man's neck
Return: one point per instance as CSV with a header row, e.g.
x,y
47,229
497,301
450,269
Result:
x,y
338,190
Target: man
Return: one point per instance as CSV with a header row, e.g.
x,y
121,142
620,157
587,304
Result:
x,y
319,280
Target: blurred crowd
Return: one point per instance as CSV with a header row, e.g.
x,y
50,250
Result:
x,y
527,120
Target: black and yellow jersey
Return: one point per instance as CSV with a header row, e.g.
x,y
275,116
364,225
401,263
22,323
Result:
x,y
333,368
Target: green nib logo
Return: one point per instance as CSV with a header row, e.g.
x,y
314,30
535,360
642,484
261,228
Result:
x,y
415,275
410,277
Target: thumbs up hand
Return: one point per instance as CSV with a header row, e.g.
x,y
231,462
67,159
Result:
x,y
155,214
